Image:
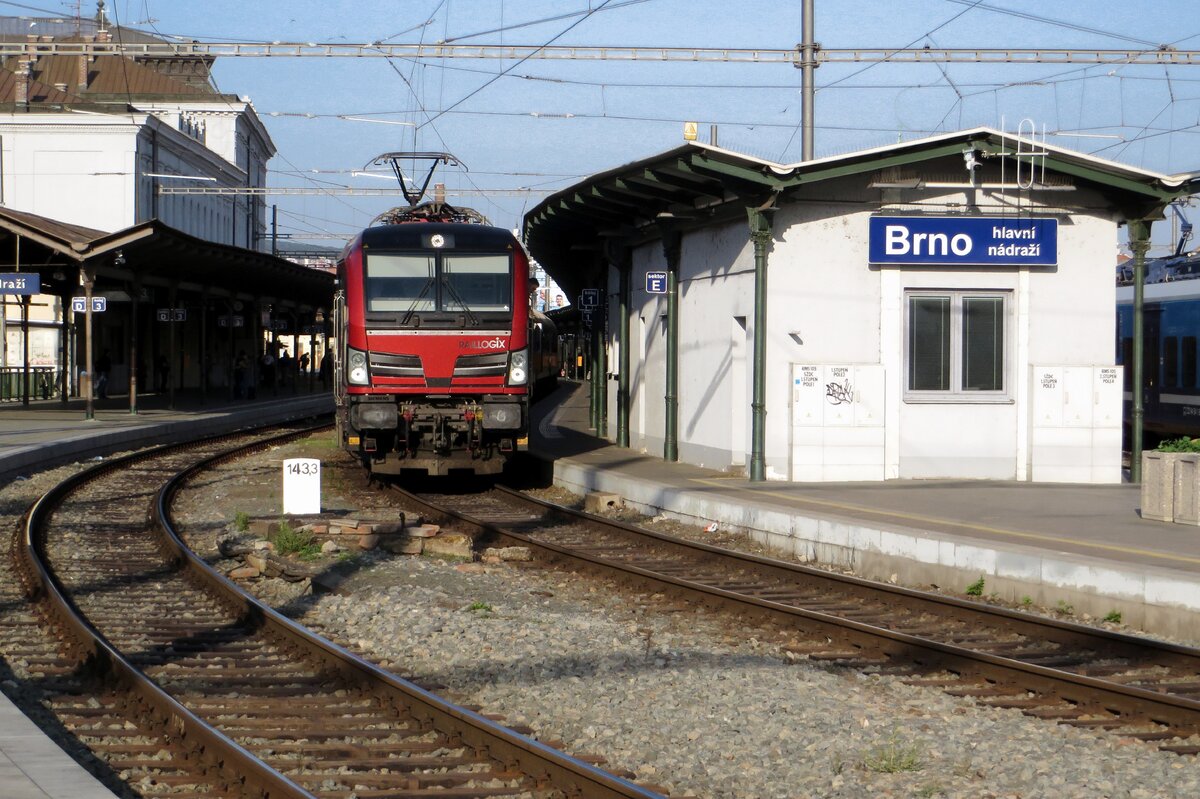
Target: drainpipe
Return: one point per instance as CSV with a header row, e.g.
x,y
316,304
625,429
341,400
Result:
x,y
1139,242
672,244
760,235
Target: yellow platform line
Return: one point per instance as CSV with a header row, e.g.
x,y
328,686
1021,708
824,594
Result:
x,y
1124,550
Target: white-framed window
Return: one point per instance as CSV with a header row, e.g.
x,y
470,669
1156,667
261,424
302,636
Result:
x,y
956,345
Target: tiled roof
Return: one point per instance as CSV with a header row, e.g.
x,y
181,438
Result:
x,y
110,78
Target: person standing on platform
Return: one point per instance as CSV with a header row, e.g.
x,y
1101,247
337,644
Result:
x,y
286,367
303,363
268,369
163,367
326,370
103,367
240,365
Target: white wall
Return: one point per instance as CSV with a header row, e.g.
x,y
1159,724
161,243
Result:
x,y
828,306
74,168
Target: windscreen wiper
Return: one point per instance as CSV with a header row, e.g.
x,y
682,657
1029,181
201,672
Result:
x,y
412,308
471,317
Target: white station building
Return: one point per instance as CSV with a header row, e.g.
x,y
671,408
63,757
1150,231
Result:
x,y
940,308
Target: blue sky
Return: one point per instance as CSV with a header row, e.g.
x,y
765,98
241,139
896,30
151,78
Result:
x,y
546,124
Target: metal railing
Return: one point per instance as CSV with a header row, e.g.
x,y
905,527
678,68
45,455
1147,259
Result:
x,y
44,383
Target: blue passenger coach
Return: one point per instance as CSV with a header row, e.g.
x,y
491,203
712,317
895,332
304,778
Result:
x,y
1171,319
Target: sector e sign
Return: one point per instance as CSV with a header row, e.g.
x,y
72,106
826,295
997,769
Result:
x,y
963,241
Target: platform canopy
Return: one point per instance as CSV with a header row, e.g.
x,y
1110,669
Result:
x,y
154,254
700,183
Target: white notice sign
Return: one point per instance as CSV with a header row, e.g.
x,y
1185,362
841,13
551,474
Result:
x,y
301,486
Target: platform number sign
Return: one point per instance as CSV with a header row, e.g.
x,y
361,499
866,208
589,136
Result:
x,y
172,314
589,298
99,304
656,282
301,486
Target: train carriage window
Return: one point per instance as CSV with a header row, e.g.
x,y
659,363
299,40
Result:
x,y
956,346
1170,362
1189,362
476,282
400,282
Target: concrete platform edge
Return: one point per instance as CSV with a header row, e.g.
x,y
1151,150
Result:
x,y
82,445
1158,600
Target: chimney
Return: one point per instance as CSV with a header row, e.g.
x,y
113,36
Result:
x,y
81,76
22,89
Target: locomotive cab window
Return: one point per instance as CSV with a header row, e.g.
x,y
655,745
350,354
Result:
x,y
400,282
444,282
956,347
475,282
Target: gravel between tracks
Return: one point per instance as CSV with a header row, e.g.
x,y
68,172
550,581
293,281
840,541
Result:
x,y
677,695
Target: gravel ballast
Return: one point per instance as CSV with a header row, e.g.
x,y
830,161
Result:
x,y
681,696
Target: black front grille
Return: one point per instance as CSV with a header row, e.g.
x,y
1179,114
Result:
x,y
490,365
388,365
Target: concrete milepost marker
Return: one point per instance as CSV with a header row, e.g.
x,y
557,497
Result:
x,y
301,486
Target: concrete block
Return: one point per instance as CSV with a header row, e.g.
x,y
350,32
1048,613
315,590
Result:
x,y
368,541
1185,500
450,545
403,545
263,528
601,501
1158,485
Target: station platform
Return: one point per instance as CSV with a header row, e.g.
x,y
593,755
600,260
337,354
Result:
x,y
1077,549
47,433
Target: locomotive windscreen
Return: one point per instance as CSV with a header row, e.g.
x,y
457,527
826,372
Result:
x,y
447,282
476,282
400,282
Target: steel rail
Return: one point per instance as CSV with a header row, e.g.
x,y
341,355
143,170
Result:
x,y
1181,714
218,757
574,776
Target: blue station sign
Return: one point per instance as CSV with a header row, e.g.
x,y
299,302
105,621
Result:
x,y
20,283
656,282
963,241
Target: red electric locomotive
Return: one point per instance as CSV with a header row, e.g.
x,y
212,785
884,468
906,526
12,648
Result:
x,y
433,327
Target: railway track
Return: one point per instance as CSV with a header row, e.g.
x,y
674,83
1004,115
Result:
x,y
184,686
1060,671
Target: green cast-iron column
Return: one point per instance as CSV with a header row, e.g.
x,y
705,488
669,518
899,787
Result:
x,y
760,235
1139,242
600,320
671,244
625,302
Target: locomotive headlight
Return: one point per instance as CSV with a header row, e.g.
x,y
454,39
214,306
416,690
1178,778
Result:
x,y
518,368
356,368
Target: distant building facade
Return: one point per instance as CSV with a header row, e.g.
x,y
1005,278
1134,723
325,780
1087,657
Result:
x,y
91,140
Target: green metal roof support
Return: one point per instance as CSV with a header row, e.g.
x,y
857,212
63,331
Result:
x,y
1139,242
618,256
672,241
760,234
